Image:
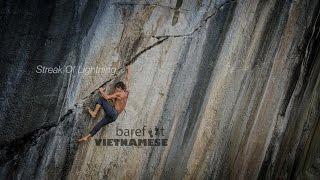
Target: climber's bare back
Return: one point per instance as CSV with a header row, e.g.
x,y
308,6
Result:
x,y
121,100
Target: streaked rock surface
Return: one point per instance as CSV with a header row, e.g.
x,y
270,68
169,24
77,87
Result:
x,y
234,84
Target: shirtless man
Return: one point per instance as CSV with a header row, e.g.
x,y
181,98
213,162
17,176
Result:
x,y
119,97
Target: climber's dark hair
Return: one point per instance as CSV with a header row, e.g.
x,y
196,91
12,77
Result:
x,y
120,85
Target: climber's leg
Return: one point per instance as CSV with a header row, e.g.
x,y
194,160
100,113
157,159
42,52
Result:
x,y
108,109
94,112
111,115
104,121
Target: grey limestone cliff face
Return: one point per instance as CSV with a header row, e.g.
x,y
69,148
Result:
x,y
234,84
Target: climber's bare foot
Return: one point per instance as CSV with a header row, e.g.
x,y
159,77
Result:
x,y
86,138
92,113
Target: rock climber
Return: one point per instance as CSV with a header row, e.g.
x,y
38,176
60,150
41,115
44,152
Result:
x,y
119,98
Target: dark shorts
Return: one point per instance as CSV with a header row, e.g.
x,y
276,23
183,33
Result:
x,y
111,115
